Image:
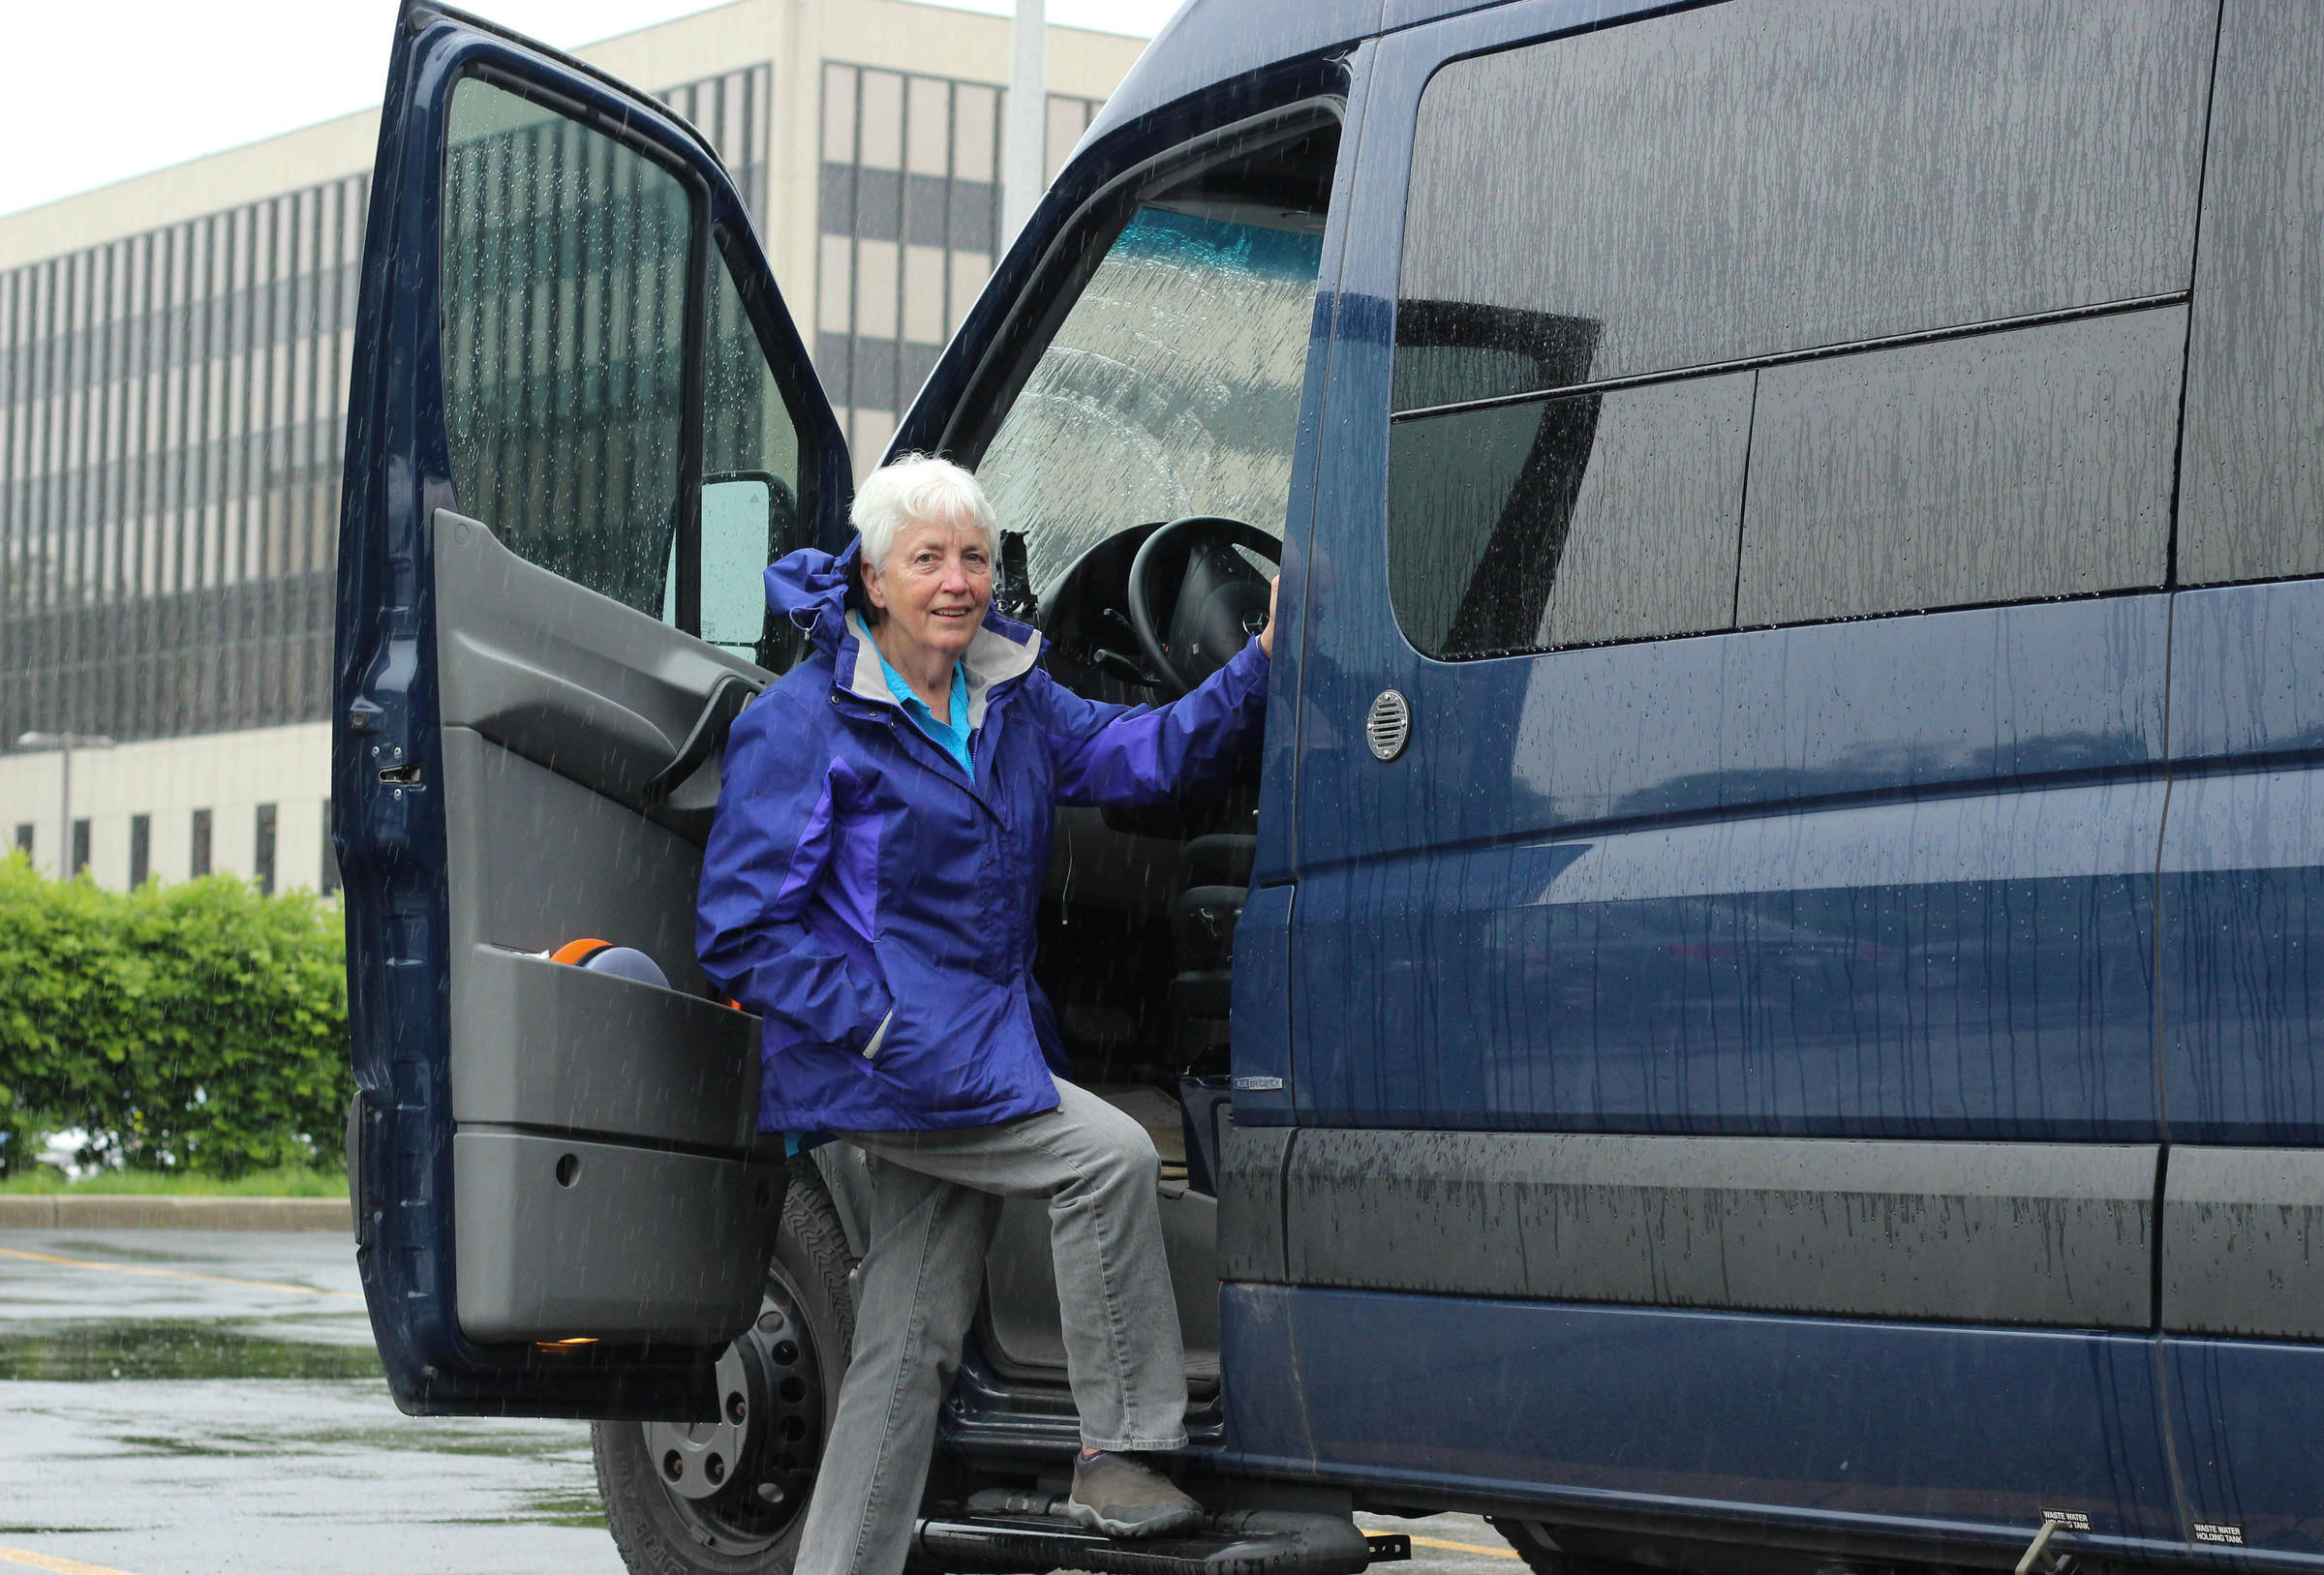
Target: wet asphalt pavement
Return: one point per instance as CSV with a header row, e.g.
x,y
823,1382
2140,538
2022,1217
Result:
x,y
185,1403
195,1403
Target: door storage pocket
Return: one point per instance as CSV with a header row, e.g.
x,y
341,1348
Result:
x,y
546,1045
561,1239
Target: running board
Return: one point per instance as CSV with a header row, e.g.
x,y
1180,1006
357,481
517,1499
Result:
x,y
1011,1533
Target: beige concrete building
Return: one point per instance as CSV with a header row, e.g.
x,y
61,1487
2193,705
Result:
x,y
174,356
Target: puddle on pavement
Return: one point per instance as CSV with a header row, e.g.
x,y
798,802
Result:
x,y
582,1512
99,1352
113,1252
450,1435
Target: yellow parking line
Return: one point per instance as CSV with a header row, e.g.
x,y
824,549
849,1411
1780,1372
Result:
x,y
1464,1547
56,1566
165,1274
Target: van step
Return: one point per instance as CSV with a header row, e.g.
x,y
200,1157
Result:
x,y
1013,1534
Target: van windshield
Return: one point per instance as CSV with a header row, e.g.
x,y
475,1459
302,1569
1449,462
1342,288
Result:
x,y
1172,385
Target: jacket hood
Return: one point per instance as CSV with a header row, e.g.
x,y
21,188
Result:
x,y
809,587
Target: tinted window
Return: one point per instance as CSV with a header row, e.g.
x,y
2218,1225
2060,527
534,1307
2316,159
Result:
x,y
1999,468
1746,179
1566,521
564,267
2253,485
1172,386
1742,186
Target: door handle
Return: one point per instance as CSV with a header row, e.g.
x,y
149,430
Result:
x,y
728,698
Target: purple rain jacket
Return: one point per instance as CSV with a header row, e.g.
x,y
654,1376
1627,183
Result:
x,y
875,906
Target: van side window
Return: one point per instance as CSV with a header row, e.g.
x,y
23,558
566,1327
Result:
x,y
2251,499
1622,247
1559,522
565,262
1997,468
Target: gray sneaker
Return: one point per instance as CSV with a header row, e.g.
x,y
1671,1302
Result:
x,y
1123,1496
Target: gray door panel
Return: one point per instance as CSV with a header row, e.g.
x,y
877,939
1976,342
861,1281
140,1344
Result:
x,y
602,1184
1978,1232
560,1238
565,677
2243,1242
536,859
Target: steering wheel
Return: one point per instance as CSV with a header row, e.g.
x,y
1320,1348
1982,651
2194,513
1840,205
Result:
x,y
1221,599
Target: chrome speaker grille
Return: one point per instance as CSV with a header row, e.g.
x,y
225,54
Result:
x,y
1389,725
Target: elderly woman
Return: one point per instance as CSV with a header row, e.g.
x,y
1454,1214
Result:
x,y
869,890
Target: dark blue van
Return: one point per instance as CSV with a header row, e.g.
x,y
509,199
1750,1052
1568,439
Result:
x,y
1760,1012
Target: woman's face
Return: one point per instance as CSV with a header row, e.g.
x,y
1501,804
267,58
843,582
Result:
x,y
935,586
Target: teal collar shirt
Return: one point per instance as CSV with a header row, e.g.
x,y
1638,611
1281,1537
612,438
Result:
x,y
951,736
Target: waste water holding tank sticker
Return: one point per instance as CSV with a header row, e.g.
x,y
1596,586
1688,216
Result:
x,y
2068,1519
2215,1531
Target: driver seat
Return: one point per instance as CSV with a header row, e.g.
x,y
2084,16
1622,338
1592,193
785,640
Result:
x,y
1214,876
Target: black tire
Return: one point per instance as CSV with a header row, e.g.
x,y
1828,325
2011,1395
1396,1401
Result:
x,y
661,1533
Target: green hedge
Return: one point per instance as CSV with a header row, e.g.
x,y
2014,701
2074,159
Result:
x,y
196,1027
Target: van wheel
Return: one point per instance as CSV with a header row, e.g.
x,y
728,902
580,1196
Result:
x,y
1535,1544
730,1497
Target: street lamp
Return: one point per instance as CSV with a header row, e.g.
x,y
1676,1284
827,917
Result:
x,y
64,744
1024,168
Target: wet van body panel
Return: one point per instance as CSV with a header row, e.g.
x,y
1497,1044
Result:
x,y
1814,923
1817,1425
2242,893
2244,915
1955,965
2243,1415
2033,1233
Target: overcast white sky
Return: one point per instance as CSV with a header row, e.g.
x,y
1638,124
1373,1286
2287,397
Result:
x,y
93,91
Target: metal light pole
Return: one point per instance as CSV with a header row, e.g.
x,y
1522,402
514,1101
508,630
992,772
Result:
x,y
64,744
1026,169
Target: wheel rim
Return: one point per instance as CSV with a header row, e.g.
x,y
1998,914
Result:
x,y
739,1483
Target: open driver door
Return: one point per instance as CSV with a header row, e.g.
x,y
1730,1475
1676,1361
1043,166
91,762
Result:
x,y
581,424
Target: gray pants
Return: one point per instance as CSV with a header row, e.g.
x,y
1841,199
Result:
x,y
935,1197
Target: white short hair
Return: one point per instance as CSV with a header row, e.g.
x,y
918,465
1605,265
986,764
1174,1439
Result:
x,y
918,487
